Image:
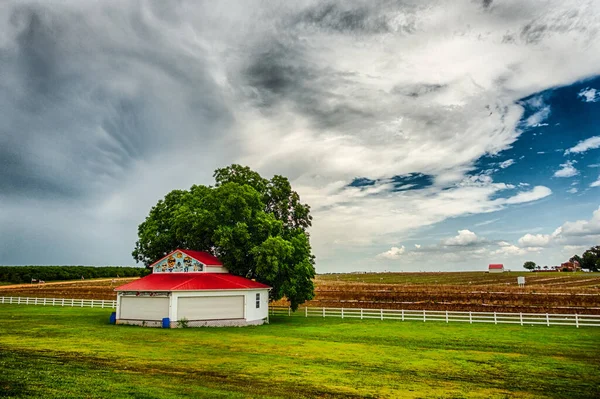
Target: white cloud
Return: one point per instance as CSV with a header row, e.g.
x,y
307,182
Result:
x,y
507,163
464,237
535,240
596,183
568,170
580,228
589,95
392,254
573,190
417,246
585,145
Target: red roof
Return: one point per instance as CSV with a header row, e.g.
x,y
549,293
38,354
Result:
x,y
190,282
201,256
496,266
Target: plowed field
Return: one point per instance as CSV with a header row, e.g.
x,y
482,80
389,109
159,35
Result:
x,y
469,291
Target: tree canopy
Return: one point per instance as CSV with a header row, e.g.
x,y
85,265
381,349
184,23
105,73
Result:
x,y
256,227
591,259
529,265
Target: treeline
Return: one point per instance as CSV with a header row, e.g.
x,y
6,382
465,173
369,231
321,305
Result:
x,y
25,274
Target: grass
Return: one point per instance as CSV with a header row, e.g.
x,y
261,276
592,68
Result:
x,y
55,352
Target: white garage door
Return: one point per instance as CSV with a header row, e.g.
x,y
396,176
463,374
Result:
x,y
144,308
211,307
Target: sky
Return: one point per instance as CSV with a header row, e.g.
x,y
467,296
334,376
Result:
x,y
434,135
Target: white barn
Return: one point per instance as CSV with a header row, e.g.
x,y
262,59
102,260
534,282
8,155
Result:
x,y
192,288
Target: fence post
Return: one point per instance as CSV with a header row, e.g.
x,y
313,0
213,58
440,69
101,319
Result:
x,y
521,317
81,302
361,314
446,317
44,301
306,311
18,300
547,320
342,313
470,318
102,304
35,301
289,310
576,320
402,314
495,320
424,317
10,300
92,303
323,311
53,301
381,311
63,302
72,302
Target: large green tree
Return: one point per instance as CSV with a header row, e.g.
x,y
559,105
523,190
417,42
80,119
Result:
x,y
529,265
591,259
256,227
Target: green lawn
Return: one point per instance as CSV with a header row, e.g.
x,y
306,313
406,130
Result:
x,y
54,352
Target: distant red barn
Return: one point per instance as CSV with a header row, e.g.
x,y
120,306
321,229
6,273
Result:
x,y
496,268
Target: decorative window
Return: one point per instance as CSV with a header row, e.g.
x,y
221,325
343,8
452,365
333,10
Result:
x,y
258,301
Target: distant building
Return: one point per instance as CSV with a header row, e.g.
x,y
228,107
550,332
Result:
x,y
570,266
496,268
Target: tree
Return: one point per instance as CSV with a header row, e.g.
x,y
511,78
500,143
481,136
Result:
x,y
256,227
529,265
591,259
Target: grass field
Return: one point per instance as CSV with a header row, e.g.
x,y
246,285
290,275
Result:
x,y
54,352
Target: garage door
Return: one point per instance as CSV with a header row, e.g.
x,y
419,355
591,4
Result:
x,y
211,307
144,308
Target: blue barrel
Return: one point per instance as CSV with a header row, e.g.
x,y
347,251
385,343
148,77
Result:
x,y
166,323
113,318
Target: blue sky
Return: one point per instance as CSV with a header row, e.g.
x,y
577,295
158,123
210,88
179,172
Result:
x,y
425,135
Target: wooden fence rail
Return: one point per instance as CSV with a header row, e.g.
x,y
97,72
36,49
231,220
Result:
x,y
547,319
81,303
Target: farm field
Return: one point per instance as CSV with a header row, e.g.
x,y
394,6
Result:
x,y
54,352
545,292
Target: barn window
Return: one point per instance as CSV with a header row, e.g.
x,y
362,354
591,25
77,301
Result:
x,y
258,300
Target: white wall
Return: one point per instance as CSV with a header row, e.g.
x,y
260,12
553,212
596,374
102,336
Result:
x,y
250,311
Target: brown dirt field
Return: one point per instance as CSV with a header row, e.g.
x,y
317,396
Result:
x,y
557,294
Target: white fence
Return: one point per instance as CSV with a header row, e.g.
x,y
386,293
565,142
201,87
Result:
x,y
80,303
547,319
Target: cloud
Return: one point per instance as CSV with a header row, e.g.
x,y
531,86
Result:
x,y
393,254
580,228
589,95
573,190
100,98
596,183
507,163
568,170
535,240
464,238
585,145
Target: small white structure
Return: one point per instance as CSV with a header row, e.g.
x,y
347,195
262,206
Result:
x,y
521,281
192,289
496,268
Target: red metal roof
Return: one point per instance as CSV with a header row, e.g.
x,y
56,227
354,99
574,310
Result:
x,y
200,256
190,282
496,266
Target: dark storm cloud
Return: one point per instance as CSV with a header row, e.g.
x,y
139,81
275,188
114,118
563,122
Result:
x,y
281,74
86,93
364,19
417,90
